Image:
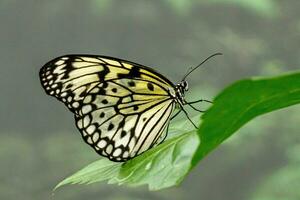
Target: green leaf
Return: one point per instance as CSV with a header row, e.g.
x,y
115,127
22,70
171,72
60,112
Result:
x,y
167,164
100,170
160,167
241,102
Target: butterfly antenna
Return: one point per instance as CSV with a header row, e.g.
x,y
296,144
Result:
x,y
193,69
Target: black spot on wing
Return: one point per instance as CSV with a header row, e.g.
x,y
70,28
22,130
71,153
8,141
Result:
x,y
104,101
131,83
135,107
102,115
123,134
150,86
110,126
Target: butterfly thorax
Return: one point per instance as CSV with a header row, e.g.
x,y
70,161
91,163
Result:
x,y
178,92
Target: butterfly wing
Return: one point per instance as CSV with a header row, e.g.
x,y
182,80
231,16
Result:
x,y
120,123
121,108
70,77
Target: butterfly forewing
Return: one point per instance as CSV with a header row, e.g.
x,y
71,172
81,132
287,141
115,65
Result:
x,y
121,108
70,77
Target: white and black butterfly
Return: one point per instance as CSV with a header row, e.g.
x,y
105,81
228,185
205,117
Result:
x,y
121,108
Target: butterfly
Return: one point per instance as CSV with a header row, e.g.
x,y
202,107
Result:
x,y
121,108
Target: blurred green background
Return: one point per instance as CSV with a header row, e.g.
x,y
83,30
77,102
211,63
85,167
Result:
x,y
39,144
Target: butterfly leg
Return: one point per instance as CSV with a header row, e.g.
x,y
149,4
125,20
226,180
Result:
x,y
200,100
196,108
179,111
186,114
193,102
162,139
167,130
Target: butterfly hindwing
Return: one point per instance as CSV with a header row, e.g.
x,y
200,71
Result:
x,y
120,123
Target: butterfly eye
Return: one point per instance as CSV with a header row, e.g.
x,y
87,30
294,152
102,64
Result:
x,y
186,87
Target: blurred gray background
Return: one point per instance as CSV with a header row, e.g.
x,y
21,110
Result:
x,y
39,144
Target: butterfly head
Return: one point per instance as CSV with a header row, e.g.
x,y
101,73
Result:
x,y
180,90
183,85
